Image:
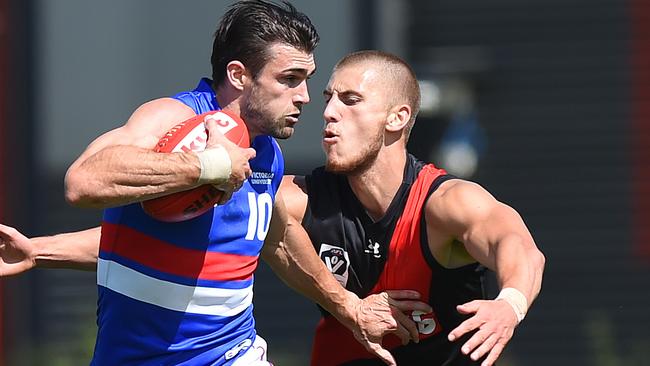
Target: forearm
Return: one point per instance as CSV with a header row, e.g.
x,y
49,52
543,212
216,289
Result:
x,y
119,175
76,250
520,265
297,264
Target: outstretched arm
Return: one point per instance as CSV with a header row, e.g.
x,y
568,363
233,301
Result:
x,y
494,235
18,254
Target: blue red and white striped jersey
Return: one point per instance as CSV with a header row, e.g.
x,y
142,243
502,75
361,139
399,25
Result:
x,y
181,293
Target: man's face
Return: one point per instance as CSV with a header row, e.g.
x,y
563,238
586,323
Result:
x,y
275,97
355,116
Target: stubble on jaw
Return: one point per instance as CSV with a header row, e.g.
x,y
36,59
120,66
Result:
x,y
363,160
254,110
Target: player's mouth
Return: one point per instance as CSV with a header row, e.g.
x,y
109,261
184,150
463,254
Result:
x,y
330,137
293,118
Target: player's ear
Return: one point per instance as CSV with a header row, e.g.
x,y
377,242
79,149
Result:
x,y
236,74
398,118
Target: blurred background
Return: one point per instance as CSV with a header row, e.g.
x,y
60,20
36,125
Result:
x,y
546,103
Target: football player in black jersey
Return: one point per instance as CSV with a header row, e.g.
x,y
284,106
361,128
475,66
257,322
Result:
x,y
380,219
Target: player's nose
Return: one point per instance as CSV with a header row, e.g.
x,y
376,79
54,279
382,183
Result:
x,y
330,114
302,94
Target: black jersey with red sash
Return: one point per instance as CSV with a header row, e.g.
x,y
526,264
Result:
x,y
368,257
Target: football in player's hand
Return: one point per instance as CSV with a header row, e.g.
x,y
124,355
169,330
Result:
x,y
191,135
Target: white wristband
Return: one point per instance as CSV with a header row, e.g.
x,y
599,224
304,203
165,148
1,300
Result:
x,y
215,165
516,299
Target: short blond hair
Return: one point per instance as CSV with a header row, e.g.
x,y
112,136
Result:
x,y
405,87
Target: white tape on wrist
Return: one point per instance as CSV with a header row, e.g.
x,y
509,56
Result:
x,y
215,165
516,299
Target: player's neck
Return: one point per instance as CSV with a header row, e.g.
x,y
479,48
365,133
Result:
x,y
230,100
376,186
227,99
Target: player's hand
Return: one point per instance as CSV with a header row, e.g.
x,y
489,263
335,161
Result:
x,y
239,157
17,252
382,314
495,322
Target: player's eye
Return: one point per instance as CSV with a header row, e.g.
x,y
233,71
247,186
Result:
x,y
350,100
291,80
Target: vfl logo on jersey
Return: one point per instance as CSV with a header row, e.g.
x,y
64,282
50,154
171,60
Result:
x,y
372,248
337,261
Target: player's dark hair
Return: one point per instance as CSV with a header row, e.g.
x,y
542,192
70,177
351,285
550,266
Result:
x,y
249,27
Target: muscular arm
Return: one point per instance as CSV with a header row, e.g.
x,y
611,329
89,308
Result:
x,y
494,235
121,167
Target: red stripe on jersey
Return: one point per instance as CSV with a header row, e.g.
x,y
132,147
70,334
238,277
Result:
x,y
406,268
167,258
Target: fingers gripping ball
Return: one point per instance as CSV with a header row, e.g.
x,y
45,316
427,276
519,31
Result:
x,y
191,135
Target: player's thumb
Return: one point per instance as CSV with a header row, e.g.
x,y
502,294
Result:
x,y
215,137
7,232
250,153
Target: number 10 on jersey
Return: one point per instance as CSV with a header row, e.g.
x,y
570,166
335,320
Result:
x,y
261,207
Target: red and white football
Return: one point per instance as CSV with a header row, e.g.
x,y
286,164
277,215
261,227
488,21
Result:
x,y
191,135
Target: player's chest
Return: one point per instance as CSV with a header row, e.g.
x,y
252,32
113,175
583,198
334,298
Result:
x,y
352,248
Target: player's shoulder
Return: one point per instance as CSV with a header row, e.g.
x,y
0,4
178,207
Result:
x,y
456,188
457,197
160,115
294,183
294,193
164,108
